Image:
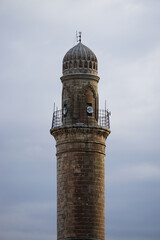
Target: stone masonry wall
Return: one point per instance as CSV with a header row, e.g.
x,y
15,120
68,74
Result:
x,y
80,182
77,92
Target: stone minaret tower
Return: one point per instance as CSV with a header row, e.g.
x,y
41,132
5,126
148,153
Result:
x,y
80,130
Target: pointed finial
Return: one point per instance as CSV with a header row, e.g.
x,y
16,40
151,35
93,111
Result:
x,y
80,34
78,37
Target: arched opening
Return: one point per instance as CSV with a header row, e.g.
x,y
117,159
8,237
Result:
x,y
86,64
90,105
75,64
80,64
70,64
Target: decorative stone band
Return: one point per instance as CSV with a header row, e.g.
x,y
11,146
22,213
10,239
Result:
x,y
78,146
80,139
80,76
76,130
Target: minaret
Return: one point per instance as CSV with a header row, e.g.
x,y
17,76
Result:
x,y
80,130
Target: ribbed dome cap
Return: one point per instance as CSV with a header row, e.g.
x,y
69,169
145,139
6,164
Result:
x,y
80,59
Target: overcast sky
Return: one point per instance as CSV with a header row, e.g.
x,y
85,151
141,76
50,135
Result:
x,y
34,37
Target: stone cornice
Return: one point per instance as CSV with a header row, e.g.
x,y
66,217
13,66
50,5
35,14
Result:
x,y
80,150
80,76
73,130
79,141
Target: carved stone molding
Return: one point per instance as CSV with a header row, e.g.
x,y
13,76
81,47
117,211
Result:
x,y
76,130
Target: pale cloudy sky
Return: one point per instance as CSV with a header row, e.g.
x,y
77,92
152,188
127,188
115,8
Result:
x,y
125,36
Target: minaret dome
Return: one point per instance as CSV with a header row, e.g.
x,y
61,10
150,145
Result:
x,y
80,59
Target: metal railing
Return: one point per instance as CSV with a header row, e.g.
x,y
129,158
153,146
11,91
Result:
x,y
102,118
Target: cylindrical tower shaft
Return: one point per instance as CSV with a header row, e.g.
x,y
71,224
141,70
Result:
x,y
80,182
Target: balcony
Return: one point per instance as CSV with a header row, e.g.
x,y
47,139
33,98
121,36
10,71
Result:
x,y
101,119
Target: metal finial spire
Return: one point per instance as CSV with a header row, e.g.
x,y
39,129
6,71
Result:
x,y
79,36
